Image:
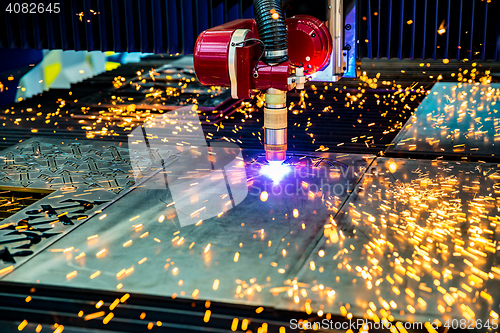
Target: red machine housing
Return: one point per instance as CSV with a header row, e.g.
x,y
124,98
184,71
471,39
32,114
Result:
x,y
309,46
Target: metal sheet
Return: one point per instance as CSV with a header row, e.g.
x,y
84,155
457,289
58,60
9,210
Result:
x,y
138,245
454,119
84,175
417,241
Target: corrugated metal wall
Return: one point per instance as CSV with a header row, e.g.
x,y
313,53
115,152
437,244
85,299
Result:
x,y
158,26
387,28
425,29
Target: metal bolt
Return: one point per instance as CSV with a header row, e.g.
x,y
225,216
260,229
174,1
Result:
x,y
348,27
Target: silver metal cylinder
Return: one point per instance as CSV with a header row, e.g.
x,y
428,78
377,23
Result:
x,y
276,53
275,136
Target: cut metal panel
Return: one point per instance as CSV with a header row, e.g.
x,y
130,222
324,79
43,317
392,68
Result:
x,y
82,176
200,254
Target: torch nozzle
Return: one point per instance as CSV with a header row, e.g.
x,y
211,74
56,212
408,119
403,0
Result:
x,y
275,125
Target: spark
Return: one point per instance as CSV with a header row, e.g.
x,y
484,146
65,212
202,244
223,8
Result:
x,y
442,28
276,171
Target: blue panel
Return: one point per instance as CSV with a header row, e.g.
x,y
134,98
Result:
x,y
158,27
63,32
202,15
233,12
189,19
102,24
173,45
471,32
88,26
248,12
36,31
22,30
116,32
368,40
218,14
130,26
145,34
437,29
75,29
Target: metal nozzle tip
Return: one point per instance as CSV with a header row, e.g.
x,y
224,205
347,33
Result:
x,y
275,156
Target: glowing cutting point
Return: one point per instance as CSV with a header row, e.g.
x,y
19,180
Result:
x,y
276,171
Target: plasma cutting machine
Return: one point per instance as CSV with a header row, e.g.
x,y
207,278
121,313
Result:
x,y
273,54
